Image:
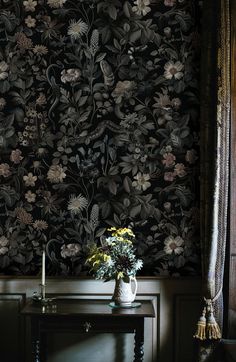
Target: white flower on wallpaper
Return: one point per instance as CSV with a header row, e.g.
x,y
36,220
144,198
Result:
x,y
77,203
30,22
77,28
141,181
173,245
70,250
70,75
30,5
173,70
141,7
56,174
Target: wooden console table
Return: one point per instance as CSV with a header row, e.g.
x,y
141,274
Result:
x,y
85,316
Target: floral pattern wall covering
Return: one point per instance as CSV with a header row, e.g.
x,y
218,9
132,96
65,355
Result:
x,y
98,127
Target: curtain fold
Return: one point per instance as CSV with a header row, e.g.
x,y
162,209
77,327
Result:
x,y
215,126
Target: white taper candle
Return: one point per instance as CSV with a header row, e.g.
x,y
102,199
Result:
x,y
43,267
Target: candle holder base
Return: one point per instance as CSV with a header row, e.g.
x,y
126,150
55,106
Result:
x,y
36,298
41,297
48,301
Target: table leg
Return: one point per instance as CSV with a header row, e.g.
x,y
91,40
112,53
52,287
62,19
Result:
x,y
36,350
35,339
139,342
43,346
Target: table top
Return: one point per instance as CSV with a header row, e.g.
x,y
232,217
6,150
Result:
x,y
85,307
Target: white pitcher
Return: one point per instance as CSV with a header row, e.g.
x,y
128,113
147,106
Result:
x,y
123,293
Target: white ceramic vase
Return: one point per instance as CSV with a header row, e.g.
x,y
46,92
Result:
x,y
125,292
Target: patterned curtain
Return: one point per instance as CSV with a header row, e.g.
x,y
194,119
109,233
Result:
x,y
215,122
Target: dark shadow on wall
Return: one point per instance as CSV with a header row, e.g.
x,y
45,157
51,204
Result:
x,y
119,348
90,348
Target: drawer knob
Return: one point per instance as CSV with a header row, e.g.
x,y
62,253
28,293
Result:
x,y
87,326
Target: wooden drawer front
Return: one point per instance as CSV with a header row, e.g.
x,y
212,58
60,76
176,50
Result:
x,y
88,325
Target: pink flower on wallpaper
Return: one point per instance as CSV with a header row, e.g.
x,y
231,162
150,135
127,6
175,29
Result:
x,y
176,103
180,170
5,170
191,156
169,159
16,156
169,176
169,2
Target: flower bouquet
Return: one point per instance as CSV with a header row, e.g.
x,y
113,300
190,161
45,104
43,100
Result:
x,y
116,259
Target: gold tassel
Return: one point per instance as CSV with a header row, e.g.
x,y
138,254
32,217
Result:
x,y
201,327
212,327
207,327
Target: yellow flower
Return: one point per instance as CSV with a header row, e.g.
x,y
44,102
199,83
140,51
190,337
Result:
x,y
120,233
125,231
119,238
120,275
128,241
97,258
106,258
111,229
96,263
128,231
92,257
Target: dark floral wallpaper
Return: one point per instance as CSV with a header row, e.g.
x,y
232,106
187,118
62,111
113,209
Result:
x,y
99,122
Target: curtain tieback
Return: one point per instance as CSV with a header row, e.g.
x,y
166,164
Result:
x,y
207,327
